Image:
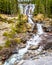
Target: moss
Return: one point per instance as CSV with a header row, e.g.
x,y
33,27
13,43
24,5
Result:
x,y
17,40
21,29
10,34
5,34
7,43
1,47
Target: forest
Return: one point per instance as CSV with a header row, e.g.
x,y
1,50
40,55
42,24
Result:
x,y
11,6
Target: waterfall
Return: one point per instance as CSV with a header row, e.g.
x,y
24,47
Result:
x,y
40,30
24,50
35,40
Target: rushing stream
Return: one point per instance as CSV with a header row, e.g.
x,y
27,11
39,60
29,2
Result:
x,y
32,41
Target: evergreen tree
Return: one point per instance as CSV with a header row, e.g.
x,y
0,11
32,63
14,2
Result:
x,y
8,6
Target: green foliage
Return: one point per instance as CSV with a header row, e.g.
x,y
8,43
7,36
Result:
x,y
17,40
8,6
21,24
44,7
9,34
7,43
11,6
20,27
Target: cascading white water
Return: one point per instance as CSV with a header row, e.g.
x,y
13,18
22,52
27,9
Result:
x,y
32,41
40,30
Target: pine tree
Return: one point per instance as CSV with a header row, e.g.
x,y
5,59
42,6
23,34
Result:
x,y
8,6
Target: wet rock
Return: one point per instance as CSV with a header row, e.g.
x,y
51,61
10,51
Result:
x,y
29,55
26,56
13,44
22,45
47,60
28,62
20,63
5,53
49,29
33,47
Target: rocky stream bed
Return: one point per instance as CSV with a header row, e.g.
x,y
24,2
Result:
x,y
32,48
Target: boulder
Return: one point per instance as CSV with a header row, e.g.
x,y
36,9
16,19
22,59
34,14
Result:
x,y
21,45
5,52
33,47
46,42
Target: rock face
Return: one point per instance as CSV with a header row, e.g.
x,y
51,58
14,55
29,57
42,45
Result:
x,y
5,53
46,41
41,61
